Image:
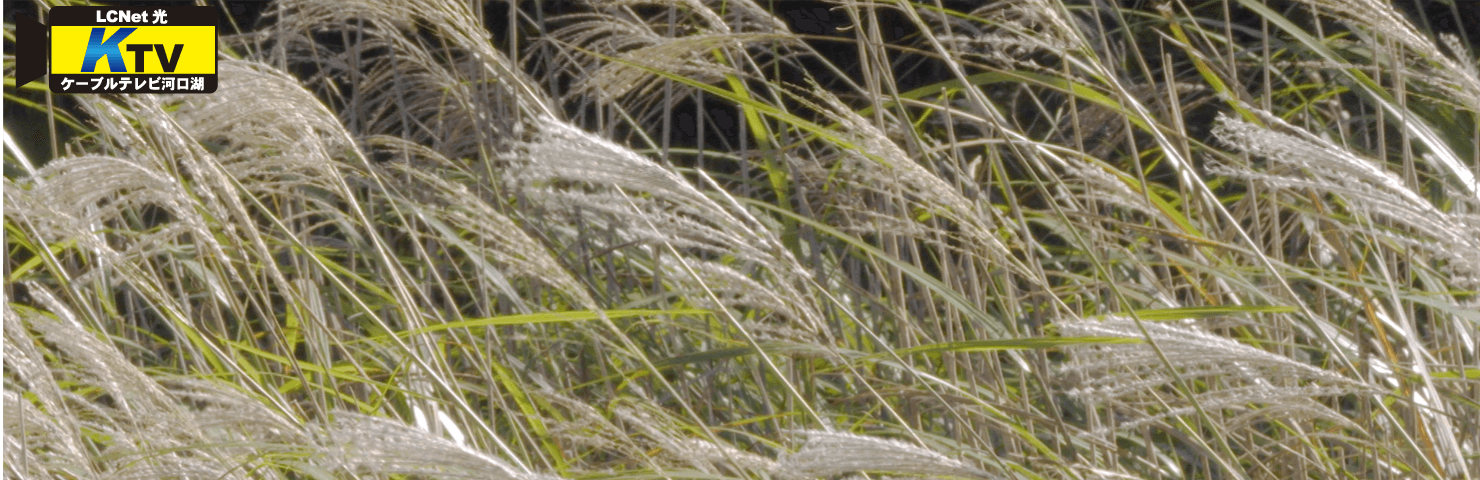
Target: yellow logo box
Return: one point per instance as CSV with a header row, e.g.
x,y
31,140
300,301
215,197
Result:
x,y
116,50
163,49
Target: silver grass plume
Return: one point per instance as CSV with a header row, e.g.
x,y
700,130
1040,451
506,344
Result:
x,y
827,454
1385,208
869,162
362,444
40,436
631,72
614,54
459,95
1299,160
1132,374
586,427
1458,79
461,218
1455,74
648,204
1015,32
148,157
88,412
732,287
879,164
648,421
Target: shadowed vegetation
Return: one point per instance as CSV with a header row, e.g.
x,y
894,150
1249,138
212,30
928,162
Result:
x,y
752,239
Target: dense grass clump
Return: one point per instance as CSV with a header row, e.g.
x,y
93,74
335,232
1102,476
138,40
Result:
x,y
751,239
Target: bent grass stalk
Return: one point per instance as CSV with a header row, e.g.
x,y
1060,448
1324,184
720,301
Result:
x,y
1035,240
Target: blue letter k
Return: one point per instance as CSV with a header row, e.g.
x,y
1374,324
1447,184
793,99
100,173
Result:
x,y
99,48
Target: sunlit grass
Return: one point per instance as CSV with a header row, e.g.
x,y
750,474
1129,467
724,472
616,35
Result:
x,y
680,239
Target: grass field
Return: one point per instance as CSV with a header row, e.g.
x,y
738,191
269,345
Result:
x,y
756,239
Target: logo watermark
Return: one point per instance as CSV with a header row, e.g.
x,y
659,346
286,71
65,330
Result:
x,y
120,50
